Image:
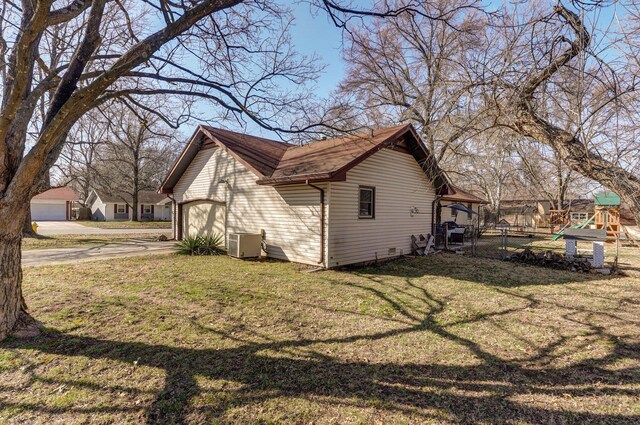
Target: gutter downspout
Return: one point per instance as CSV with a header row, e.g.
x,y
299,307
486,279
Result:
x,y
174,216
322,211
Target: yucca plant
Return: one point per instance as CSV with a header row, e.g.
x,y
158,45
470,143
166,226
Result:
x,y
201,245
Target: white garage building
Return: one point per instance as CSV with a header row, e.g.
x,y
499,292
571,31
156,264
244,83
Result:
x,y
53,205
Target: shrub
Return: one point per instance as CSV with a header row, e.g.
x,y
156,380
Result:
x,y
201,245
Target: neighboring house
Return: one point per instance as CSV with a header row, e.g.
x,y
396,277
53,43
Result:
x,y
151,206
468,200
525,212
54,204
331,202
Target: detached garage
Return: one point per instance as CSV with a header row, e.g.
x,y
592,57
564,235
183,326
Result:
x,y
53,205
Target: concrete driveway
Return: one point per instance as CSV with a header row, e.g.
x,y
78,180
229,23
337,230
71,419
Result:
x,y
47,228
133,248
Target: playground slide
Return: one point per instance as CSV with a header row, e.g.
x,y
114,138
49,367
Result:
x,y
577,226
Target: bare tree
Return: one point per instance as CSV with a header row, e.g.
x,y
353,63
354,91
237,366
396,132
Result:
x,y
545,173
136,153
77,163
536,75
490,168
411,68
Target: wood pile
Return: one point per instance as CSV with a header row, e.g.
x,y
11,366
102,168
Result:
x,y
552,260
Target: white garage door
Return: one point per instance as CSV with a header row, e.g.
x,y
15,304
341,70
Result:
x,y
43,212
203,218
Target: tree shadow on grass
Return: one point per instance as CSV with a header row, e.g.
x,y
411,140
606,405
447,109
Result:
x,y
492,390
400,387
488,392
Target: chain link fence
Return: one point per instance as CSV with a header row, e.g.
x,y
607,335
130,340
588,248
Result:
x,y
502,243
493,243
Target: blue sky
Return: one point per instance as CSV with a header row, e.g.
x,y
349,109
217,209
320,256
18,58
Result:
x,y
315,33
312,33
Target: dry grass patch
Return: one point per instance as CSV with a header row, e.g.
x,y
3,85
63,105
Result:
x,y
174,339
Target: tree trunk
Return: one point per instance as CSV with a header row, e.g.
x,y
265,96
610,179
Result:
x,y
136,179
14,319
134,215
27,230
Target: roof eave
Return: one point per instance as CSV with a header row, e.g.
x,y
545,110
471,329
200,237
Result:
x,y
164,187
460,199
302,179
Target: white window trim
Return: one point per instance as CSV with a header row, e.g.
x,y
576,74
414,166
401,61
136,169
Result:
x,y
373,202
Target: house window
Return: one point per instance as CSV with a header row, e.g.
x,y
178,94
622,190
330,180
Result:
x,y
469,213
366,208
578,216
121,209
454,214
147,209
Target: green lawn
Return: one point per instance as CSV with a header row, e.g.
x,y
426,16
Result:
x,y
443,339
125,224
69,241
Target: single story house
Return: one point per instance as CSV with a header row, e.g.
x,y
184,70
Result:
x,y
53,205
471,202
332,202
107,207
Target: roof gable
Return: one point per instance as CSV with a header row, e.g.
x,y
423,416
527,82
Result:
x,y
260,155
58,194
328,159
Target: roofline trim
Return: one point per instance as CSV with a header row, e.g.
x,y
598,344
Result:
x,y
163,189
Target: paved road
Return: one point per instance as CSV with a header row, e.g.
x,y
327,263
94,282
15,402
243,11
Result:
x,y
133,248
47,228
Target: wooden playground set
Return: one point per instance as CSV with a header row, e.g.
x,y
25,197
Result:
x,y
606,216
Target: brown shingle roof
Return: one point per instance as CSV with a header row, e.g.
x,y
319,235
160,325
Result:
x,y
325,159
58,194
282,163
460,195
261,155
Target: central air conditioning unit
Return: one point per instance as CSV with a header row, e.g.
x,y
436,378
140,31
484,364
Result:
x,y
245,245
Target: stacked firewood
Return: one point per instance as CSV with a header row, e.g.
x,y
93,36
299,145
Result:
x,y
552,260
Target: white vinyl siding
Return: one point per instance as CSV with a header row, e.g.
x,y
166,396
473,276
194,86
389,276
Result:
x,y
100,210
289,215
203,218
400,184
